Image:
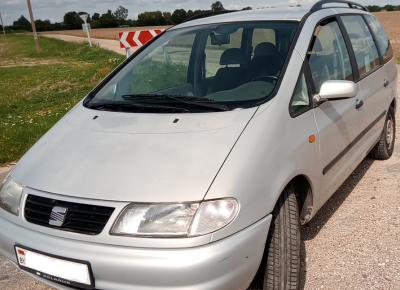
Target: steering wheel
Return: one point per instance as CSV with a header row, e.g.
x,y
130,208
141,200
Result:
x,y
265,77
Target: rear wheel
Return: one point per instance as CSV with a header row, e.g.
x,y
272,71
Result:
x,y
384,148
283,245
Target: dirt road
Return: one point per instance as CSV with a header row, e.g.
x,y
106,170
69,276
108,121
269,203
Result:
x,y
104,43
352,242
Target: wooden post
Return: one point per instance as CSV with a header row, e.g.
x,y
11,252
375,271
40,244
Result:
x,y
33,27
2,25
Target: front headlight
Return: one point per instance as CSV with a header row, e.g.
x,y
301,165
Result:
x,y
175,220
10,195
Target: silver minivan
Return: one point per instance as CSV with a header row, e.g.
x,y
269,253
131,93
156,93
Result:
x,y
202,154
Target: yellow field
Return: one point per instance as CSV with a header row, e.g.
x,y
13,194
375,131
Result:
x,y
391,22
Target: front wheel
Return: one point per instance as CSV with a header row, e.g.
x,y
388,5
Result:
x,y
384,148
283,245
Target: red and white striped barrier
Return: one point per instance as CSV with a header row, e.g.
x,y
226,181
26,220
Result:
x,y
137,38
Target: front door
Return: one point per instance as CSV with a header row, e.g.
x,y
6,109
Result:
x,y
339,122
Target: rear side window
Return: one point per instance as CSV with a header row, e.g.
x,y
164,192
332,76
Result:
x,y
381,38
362,42
328,57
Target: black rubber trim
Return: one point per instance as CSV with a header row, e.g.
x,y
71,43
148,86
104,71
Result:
x,y
72,284
351,145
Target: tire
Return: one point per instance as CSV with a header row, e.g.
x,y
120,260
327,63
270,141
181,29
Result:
x,y
384,148
283,245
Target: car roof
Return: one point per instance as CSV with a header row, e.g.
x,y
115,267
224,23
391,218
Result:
x,y
289,13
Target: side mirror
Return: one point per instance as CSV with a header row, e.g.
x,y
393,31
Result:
x,y
337,90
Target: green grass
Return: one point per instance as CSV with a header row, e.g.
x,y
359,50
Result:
x,y
33,98
398,60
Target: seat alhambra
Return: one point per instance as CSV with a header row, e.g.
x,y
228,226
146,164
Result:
x,y
204,152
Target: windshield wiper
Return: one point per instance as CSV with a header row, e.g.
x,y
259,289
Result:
x,y
202,102
138,107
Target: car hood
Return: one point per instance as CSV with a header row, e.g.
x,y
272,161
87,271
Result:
x,y
132,157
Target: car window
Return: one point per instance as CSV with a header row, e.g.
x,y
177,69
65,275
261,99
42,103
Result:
x,y
263,35
301,99
362,42
172,56
178,62
381,37
329,58
214,52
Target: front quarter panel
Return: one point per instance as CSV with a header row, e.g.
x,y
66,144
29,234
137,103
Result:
x,y
273,149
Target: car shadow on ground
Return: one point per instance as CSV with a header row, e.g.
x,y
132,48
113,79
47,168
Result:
x,y
311,230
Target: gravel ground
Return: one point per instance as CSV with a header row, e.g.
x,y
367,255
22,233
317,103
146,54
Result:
x,y
104,43
352,242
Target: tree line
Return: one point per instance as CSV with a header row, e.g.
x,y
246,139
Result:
x,y
119,18
377,8
109,19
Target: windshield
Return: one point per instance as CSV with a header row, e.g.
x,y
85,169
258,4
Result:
x,y
229,64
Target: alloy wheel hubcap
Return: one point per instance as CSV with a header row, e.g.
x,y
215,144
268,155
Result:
x,y
389,132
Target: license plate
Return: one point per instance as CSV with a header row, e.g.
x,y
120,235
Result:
x,y
60,270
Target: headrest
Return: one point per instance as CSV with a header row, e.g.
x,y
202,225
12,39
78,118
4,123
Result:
x,y
233,56
317,45
265,48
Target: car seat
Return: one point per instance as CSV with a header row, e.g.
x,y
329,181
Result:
x,y
228,78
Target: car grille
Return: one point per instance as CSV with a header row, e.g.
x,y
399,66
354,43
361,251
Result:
x,y
81,218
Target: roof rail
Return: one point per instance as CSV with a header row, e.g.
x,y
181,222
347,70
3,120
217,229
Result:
x,y
318,5
208,14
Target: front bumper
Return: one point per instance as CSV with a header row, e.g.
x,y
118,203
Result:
x,y
230,263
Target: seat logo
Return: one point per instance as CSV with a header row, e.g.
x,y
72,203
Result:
x,y
57,216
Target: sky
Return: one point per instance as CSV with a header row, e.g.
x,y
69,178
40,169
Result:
x,y
54,10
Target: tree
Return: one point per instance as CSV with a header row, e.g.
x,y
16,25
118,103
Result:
x,y
374,8
95,24
70,19
217,6
389,7
108,20
179,16
121,14
39,25
167,17
22,24
189,14
247,8
88,20
96,16
150,18
197,12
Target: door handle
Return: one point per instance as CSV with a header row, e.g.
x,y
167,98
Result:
x,y
386,83
359,104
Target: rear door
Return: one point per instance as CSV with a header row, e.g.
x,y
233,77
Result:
x,y
339,122
387,59
371,76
